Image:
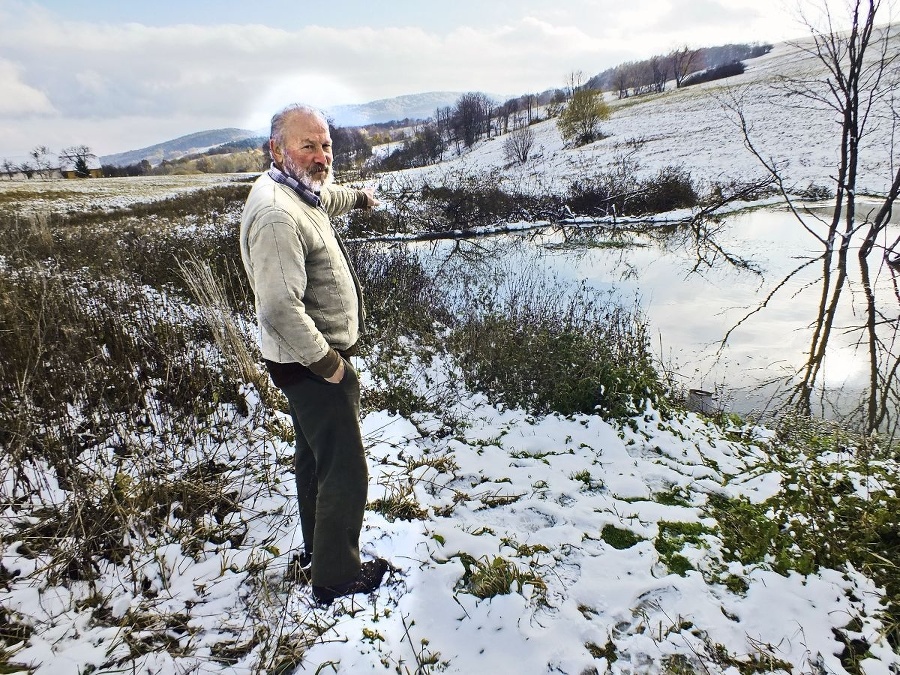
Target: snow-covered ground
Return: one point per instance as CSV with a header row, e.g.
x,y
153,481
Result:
x,y
532,493
505,491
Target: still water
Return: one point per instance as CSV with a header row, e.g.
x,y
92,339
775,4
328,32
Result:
x,y
691,308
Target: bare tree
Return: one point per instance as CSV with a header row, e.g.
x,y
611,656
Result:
x,y
40,156
518,144
659,71
530,104
684,61
442,118
506,111
644,77
574,82
859,63
623,79
9,168
471,117
78,156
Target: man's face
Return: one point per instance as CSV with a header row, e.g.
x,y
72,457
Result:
x,y
306,152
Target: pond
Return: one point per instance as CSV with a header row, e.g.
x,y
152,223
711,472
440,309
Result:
x,y
691,308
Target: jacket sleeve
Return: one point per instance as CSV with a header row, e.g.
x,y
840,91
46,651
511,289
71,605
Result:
x,y
338,199
279,254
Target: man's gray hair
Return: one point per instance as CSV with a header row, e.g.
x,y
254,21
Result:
x,y
279,119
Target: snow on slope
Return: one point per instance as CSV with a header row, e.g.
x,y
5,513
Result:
x,y
693,127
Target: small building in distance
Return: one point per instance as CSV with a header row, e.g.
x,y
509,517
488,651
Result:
x,y
90,169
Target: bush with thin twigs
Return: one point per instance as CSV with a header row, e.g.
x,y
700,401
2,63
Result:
x,y
518,144
406,312
462,202
621,192
455,201
546,348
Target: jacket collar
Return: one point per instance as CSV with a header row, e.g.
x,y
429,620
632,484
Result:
x,y
307,195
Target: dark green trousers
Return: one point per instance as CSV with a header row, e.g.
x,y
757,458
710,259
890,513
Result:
x,y
331,473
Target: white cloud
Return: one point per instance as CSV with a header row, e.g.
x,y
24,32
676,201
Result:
x,y
16,97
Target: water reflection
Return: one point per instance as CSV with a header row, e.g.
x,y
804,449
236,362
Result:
x,y
696,295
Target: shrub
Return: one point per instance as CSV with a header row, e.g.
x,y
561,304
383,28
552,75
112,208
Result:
x,y
541,351
671,188
579,122
401,295
721,192
373,222
480,201
457,201
518,144
717,73
620,192
816,192
405,310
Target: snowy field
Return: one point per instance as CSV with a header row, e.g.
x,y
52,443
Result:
x,y
38,195
617,563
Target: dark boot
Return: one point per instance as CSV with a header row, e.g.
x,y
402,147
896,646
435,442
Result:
x,y
369,578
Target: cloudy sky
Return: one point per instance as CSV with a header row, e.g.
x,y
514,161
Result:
x,y
118,75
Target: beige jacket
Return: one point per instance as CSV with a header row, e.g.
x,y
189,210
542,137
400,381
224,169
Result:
x,y
308,299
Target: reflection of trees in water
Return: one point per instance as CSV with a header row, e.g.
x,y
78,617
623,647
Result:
x,y
495,261
859,64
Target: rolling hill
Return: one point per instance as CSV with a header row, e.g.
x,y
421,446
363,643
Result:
x,y
178,147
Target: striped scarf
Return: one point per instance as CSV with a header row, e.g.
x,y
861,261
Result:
x,y
307,195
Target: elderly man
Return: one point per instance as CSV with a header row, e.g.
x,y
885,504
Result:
x,y
310,313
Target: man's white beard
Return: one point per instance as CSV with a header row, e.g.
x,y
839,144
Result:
x,y
303,176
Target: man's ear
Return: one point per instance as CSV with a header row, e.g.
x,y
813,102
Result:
x,y
275,151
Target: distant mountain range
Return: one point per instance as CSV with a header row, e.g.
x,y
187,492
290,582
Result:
x,y
179,147
412,106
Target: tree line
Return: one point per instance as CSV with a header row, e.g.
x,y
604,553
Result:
x,y
634,78
579,106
